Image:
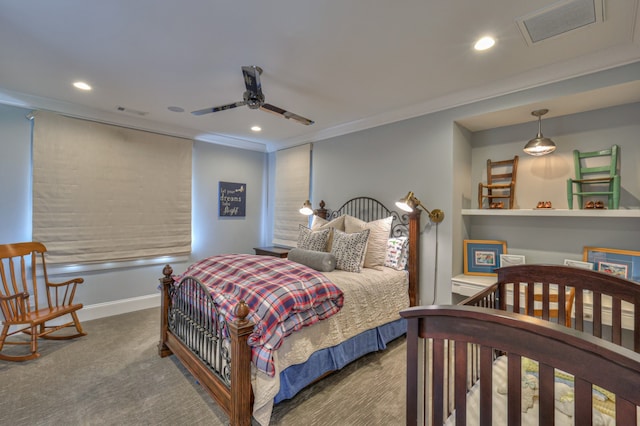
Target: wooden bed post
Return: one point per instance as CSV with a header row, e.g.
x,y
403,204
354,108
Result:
x,y
165,282
239,331
414,256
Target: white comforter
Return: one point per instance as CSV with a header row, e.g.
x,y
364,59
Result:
x,y
371,298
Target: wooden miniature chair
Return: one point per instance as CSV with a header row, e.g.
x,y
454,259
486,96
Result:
x,y
22,310
605,177
501,177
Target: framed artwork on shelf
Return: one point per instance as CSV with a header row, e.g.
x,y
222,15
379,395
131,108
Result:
x,y
621,263
482,257
578,264
511,259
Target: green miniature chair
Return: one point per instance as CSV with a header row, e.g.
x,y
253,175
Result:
x,y
595,180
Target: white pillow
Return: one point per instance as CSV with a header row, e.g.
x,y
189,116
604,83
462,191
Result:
x,y
377,245
349,249
397,253
313,240
320,224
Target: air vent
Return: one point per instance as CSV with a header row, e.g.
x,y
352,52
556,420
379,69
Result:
x,y
131,111
560,18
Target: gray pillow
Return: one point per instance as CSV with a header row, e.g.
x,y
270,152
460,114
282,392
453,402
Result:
x,y
318,260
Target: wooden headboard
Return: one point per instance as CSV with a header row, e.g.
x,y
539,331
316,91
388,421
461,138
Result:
x,y
404,224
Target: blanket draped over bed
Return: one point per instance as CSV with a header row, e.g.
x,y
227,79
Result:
x,y
284,296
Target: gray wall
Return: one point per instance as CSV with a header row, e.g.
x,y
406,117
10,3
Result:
x,y
433,156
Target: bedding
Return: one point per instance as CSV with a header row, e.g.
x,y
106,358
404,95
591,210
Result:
x,y
318,260
564,398
372,298
283,297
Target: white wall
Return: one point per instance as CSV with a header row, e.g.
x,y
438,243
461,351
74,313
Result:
x,y
112,291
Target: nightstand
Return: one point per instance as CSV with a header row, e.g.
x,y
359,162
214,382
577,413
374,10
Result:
x,y
272,251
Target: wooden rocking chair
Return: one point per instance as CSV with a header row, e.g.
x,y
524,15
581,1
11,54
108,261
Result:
x,y
20,305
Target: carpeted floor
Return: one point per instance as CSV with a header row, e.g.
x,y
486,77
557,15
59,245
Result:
x,y
114,376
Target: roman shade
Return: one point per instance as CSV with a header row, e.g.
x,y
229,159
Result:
x,y
105,193
292,176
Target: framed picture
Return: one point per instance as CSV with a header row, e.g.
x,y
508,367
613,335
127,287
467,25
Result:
x,y
578,264
511,259
482,257
232,199
621,263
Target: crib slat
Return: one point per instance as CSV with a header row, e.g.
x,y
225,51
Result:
x,y
486,385
438,369
626,413
514,398
546,397
461,383
583,403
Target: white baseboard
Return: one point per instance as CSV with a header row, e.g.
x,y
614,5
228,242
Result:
x,y
108,309
117,307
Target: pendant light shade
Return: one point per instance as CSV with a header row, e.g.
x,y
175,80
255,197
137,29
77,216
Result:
x,y
539,145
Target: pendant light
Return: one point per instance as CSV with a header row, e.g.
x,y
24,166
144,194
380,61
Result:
x,y
539,145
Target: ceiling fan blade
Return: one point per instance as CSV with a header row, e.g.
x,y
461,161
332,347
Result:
x,y
218,108
286,114
252,79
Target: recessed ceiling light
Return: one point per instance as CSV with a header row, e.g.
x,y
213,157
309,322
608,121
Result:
x,y
256,128
81,85
175,109
484,43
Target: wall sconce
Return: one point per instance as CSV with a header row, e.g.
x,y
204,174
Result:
x,y
306,209
539,145
410,202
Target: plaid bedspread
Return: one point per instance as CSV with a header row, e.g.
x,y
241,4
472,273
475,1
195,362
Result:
x,y
284,296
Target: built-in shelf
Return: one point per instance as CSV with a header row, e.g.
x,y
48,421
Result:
x,y
553,213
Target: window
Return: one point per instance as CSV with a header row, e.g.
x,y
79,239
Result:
x,y
293,167
107,193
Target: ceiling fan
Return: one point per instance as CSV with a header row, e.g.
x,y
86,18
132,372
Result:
x,y
254,98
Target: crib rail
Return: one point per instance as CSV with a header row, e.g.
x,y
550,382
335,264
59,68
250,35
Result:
x,y
462,337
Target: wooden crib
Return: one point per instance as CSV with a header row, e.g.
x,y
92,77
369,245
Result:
x,y
457,356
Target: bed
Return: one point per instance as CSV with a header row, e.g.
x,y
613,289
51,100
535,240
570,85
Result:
x,y
218,350
488,360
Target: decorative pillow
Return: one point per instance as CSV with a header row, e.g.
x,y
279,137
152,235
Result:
x,y
349,249
397,253
377,244
320,223
320,261
313,240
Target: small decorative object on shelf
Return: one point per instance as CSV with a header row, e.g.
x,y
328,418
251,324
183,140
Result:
x,y
498,205
594,205
544,205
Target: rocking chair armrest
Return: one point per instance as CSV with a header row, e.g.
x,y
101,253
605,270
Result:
x,y
66,283
20,296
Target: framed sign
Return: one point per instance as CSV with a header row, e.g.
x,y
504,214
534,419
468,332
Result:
x,y
578,264
482,257
232,199
511,259
621,263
